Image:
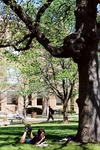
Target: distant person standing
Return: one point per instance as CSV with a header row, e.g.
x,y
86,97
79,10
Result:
x,y
50,114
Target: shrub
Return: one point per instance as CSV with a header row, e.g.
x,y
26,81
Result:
x,y
34,109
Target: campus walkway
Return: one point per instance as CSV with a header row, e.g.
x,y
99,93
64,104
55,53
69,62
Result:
x,y
44,119
5,121
40,119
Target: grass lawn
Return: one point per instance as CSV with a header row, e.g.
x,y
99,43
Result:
x,y
9,137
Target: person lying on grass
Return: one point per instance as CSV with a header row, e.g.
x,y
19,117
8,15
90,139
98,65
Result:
x,y
37,139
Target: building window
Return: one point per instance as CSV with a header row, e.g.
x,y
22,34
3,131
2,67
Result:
x,y
12,97
30,103
29,99
58,101
39,101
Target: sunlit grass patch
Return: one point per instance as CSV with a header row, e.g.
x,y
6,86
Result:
x,y
10,135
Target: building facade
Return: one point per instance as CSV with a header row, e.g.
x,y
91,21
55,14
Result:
x,y
11,103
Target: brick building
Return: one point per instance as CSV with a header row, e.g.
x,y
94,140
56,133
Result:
x,y
12,104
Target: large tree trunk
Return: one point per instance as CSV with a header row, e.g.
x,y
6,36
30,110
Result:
x,y
89,86
89,102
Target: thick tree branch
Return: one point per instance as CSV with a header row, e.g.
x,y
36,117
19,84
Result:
x,y
27,46
56,51
68,49
23,39
20,13
42,10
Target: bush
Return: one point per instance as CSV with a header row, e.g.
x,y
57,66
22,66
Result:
x,y
34,109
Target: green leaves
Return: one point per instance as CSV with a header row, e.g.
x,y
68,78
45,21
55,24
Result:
x,y
37,68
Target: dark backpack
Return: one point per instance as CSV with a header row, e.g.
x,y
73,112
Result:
x,y
52,111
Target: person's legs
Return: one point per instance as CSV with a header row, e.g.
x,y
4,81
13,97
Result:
x,y
22,140
28,128
31,135
52,117
48,118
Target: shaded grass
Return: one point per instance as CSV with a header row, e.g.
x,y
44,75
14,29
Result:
x,y
10,135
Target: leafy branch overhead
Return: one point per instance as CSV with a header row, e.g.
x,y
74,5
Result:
x,y
71,46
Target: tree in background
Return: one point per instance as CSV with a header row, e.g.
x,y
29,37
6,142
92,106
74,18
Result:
x,y
60,77
5,84
25,73
42,74
81,45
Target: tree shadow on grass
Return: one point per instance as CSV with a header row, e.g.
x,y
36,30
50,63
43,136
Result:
x,y
77,145
11,135
83,146
62,145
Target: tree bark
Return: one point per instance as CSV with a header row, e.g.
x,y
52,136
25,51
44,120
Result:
x,y
89,102
65,113
89,86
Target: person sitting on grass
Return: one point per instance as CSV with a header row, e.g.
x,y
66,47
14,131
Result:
x,y
37,139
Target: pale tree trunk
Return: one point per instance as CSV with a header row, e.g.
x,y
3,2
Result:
x,y
24,106
24,113
45,106
89,102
